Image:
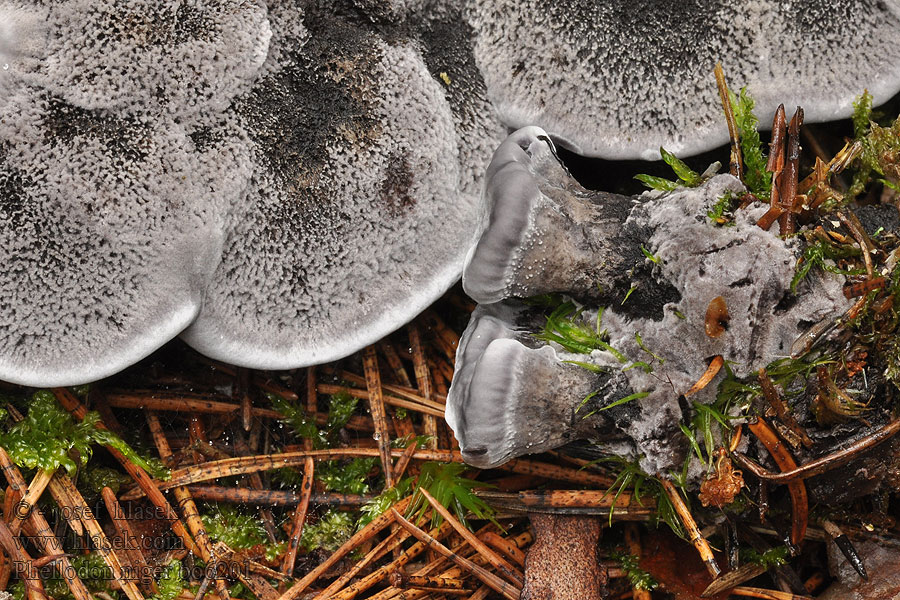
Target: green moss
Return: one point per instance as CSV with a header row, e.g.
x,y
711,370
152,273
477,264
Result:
x,y
346,477
637,577
328,533
239,531
687,177
48,438
756,178
170,582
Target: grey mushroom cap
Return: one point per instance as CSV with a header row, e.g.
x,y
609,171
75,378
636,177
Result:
x,y
359,213
620,79
662,296
284,184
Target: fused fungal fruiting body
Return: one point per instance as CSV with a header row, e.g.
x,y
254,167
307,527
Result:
x,y
285,181
655,345
620,79
288,181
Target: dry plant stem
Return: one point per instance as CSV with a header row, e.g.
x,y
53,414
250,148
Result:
x,y
98,537
446,337
35,489
366,533
520,541
393,540
690,527
787,182
187,504
423,381
379,416
499,563
845,546
436,401
242,393
732,579
156,401
252,464
47,541
497,584
375,577
715,365
633,542
775,165
71,404
851,222
775,401
752,592
299,518
735,165
823,463
785,462
504,546
312,402
393,359
34,587
132,551
327,388
540,500
231,495
403,461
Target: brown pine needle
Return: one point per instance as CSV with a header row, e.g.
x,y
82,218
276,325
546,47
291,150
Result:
x,y
497,584
376,576
44,536
504,546
233,495
393,359
130,545
736,167
785,462
418,406
287,567
35,489
508,571
777,404
366,533
34,587
690,527
436,401
379,416
403,461
103,545
752,592
186,501
151,400
715,365
146,484
423,382
393,540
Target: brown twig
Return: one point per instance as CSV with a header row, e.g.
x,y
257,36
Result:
x,y
691,528
777,404
366,533
384,546
379,574
233,495
186,501
183,403
379,416
393,360
775,165
497,584
299,518
823,463
797,489
100,541
47,541
787,181
735,164
129,541
506,569
503,545
752,592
